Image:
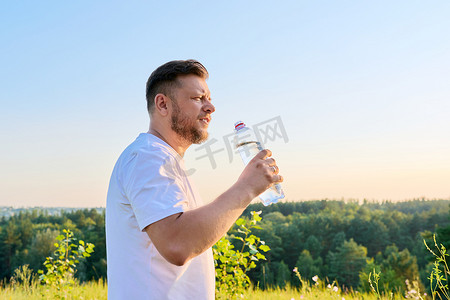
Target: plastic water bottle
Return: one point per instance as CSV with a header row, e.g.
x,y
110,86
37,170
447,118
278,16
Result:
x,y
248,146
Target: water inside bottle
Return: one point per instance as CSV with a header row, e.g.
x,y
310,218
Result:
x,y
272,195
248,150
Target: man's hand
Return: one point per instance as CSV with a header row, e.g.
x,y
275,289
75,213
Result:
x,y
260,174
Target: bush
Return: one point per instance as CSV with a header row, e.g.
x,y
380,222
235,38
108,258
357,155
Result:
x,y
232,265
61,267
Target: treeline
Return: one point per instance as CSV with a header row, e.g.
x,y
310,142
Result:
x,y
28,237
345,241
336,240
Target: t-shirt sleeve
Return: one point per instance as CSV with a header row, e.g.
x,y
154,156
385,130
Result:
x,y
152,183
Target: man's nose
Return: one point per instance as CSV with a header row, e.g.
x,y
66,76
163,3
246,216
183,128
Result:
x,y
209,107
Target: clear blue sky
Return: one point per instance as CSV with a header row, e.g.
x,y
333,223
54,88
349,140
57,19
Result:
x,y
362,89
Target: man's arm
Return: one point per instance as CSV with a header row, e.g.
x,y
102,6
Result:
x,y
181,237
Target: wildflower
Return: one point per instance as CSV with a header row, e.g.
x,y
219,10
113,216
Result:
x,y
315,278
292,298
329,286
343,298
295,270
335,289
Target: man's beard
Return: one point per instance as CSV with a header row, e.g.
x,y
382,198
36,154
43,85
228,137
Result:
x,y
185,127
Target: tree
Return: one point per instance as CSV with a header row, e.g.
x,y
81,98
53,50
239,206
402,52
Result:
x,y
367,230
338,240
313,245
402,264
307,266
266,277
346,263
42,245
292,243
12,243
283,274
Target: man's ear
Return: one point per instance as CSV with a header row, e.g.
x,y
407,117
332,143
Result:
x,y
161,105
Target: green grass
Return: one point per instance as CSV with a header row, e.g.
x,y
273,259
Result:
x,y
318,291
90,290
288,294
98,290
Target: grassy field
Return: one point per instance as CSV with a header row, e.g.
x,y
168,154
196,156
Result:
x,y
98,290
90,290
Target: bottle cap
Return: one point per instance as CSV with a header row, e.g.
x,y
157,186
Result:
x,y
239,125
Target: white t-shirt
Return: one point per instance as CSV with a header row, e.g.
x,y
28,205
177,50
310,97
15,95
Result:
x,y
149,183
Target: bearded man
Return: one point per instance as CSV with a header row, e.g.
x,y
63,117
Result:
x,y
159,234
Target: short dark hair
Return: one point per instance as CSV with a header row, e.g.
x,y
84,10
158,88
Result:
x,y
164,78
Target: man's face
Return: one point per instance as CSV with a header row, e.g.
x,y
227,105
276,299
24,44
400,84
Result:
x,y
191,109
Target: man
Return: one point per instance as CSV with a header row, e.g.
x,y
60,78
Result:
x,y
159,235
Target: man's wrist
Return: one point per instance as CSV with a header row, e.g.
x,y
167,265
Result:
x,y
243,193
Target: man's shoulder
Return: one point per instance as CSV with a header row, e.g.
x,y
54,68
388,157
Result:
x,y
148,148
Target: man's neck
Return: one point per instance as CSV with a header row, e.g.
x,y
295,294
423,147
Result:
x,y
179,144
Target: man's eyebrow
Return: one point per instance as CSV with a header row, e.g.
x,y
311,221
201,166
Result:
x,y
205,93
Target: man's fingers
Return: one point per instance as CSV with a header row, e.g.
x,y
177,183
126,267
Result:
x,y
271,161
271,164
280,178
275,169
263,154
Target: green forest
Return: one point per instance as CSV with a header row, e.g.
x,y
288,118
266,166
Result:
x,y
342,241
